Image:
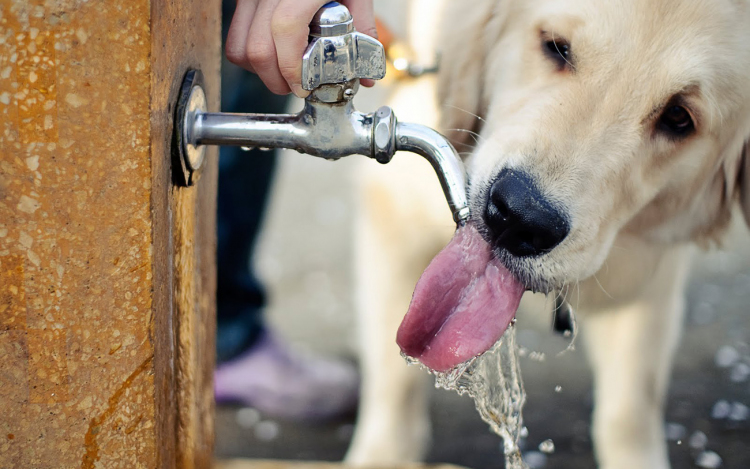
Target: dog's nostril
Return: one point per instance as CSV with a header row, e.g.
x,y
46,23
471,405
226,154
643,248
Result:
x,y
502,209
520,219
540,243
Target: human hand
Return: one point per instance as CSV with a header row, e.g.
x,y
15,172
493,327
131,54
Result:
x,y
269,37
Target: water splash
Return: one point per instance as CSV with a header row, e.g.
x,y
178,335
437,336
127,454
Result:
x,y
493,381
547,446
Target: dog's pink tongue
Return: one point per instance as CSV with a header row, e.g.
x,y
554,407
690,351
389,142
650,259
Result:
x,y
462,304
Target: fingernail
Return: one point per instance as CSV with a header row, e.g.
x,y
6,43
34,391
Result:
x,y
300,92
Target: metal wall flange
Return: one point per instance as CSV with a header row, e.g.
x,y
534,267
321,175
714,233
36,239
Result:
x,y
188,159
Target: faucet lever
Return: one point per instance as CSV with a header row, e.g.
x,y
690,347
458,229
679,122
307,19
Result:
x,y
337,53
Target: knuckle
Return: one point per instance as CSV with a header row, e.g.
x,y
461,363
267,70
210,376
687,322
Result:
x,y
260,54
235,54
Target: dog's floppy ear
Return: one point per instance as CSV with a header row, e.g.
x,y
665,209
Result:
x,y
462,67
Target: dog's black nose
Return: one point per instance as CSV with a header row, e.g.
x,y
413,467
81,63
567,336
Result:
x,y
520,219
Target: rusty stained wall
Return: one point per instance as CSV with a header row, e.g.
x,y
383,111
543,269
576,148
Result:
x,y
76,356
185,34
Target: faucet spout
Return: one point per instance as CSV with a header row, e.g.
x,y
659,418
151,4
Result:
x,y
444,159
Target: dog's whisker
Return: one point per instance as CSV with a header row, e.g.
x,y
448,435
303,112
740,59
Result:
x,y
602,288
622,248
561,54
465,111
473,134
560,294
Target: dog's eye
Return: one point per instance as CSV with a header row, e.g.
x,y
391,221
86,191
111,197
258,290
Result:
x,y
676,121
558,50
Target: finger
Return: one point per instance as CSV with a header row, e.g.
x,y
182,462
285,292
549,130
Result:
x,y
236,46
261,49
364,16
290,27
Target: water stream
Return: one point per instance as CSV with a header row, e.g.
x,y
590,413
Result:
x,y
493,380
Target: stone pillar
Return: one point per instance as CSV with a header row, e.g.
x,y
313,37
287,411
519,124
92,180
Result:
x,y
107,272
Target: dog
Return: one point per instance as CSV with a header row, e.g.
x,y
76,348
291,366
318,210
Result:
x,y
605,140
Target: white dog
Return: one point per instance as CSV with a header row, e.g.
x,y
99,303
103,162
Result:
x,y
607,138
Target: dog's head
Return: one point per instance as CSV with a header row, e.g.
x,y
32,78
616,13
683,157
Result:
x,y
593,118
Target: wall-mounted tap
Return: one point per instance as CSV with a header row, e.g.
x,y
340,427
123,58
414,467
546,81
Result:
x,y
328,126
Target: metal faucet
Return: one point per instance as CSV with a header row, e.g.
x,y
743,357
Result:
x,y
328,126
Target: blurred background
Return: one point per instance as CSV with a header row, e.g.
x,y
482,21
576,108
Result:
x,y
303,257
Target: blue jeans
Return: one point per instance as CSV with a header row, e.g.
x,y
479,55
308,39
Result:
x,y
244,183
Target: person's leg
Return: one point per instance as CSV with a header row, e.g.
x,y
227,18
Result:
x,y
244,183
255,368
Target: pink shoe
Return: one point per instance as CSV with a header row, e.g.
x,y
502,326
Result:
x,y
280,383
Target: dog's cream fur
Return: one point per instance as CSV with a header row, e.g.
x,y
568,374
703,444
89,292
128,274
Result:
x,y
637,200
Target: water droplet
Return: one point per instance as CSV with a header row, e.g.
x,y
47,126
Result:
x,y
547,446
708,460
726,356
721,409
524,433
740,373
247,417
267,430
558,388
535,459
265,148
246,148
679,442
537,356
739,412
674,431
698,440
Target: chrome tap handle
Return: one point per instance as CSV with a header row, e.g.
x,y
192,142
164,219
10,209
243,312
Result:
x,y
337,53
